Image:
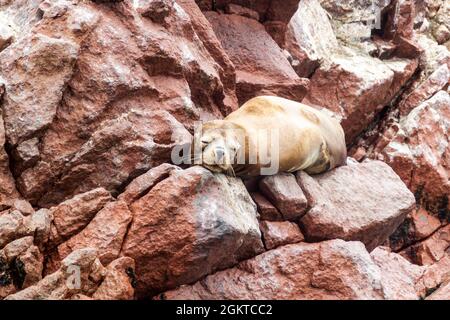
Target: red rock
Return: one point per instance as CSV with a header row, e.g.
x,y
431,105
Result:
x,y
232,8
142,184
279,233
73,215
398,276
434,276
190,225
357,87
261,67
118,283
435,82
12,226
443,293
365,202
46,68
30,263
417,226
400,19
65,282
285,194
8,192
204,31
309,37
21,265
417,153
131,74
328,270
106,233
113,154
265,209
432,249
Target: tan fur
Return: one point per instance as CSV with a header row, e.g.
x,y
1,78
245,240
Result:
x,y
309,139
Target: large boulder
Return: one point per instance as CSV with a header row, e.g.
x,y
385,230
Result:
x,y
190,225
357,87
328,270
365,202
95,108
310,37
261,66
285,194
419,152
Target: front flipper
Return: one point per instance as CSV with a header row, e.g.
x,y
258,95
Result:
x,y
323,163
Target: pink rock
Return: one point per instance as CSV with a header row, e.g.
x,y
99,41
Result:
x,y
399,276
285,194
432,249
118,281
190,225
142,184
73,215
328,270
106,233
365,202
434,277
63,283
417,155
265,209
443,293
310,37
232,8
279,233
435,82
356,87
261,67
417,226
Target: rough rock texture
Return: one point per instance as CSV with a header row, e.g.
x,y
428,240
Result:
x,y
309,37
206,222
285,194
261,66
328,270
364,202
95,96
278,233
420,150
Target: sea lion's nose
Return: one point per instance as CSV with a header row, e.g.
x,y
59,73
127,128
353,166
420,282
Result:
x,y
219,152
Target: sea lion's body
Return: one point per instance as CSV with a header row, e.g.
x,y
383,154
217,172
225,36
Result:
x,y
309,139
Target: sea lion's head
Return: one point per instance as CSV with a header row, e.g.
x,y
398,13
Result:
x,y
218,145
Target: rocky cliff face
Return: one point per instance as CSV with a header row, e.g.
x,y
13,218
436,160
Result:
x,y
94,95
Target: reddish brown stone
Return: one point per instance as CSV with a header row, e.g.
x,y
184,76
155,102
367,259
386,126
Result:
x,y
106,233
365,202
417,153
328,270
142,184
261,67
118,281
73,215
280,233
265,209
399,276
189,225
432,249
285,194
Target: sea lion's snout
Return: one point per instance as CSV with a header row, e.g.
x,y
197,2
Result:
x,y
219,154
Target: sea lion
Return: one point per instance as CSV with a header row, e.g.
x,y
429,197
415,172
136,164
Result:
x,y
268,135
